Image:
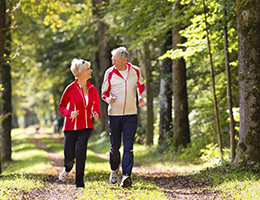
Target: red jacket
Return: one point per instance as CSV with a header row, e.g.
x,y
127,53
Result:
x,y
72,100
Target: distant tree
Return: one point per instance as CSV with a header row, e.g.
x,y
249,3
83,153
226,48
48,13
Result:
x,y
149,95
102,55
181,120
165,96
249,79
229,84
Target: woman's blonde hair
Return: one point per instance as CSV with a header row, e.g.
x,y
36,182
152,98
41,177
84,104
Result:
x,y
78,66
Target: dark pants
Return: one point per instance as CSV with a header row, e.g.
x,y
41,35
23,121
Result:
x,y
122,125
75,146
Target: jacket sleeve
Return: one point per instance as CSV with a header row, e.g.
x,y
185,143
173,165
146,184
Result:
x,y
96,104
64,103
105,92
140,85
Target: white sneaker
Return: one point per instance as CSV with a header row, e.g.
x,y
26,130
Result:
x,y
113,176
80,188
63,175
126,181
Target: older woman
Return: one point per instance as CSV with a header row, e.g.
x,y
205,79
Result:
x,y
79,103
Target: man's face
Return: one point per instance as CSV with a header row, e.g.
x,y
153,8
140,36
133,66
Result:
x,y
118,62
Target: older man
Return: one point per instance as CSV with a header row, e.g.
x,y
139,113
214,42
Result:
x,y
121,81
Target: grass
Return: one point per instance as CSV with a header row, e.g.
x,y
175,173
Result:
x,y
230,181
24,172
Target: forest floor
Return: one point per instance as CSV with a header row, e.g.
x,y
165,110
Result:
x,y
174,185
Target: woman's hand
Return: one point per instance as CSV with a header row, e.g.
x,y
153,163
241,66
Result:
x,y
74,114
95,116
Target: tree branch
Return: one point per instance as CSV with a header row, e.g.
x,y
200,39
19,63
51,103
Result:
x,y
16,53
15,7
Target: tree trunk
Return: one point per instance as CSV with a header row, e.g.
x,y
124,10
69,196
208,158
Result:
x,y
213,85
14,119
2,30
166,95
2,48
181,113
103,57
7,102
248,21
149,97
229,92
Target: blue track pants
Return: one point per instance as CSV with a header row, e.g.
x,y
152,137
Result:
x,y
119,126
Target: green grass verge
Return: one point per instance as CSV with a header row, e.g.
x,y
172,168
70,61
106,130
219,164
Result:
x,y
235,181
23,172
230,181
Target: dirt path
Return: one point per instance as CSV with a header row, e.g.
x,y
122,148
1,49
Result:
x,y
174,185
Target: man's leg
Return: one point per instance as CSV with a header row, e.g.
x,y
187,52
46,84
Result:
x,y
115,131
129,130
80,154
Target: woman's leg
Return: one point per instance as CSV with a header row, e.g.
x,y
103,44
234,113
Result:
x,y
69,149
80,153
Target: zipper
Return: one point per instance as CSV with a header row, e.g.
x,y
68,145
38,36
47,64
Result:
x,y
84,102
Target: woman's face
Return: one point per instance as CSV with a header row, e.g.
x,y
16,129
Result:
x,y
87,73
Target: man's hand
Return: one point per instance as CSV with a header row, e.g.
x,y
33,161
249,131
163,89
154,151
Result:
x,y
141,103
111,99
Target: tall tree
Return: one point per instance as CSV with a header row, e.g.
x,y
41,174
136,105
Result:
x,y
249,79
229,89
2,48
103,55
165,129
181,113
7,99
2,29
213,81
149,95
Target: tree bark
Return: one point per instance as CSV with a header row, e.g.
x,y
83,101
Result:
x,y
2,30
6,104
102,57
213,84
149,97
248,21
165,129
229,92
181,113
2,48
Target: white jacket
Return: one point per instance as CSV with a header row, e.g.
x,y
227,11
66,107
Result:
x,y
124,90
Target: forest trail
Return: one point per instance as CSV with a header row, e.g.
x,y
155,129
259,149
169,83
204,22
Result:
x,y
174,185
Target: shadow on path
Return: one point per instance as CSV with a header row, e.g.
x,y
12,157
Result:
x,y
174,185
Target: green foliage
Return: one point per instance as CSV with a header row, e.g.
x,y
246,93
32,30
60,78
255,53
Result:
x,y
52,33
211,155
238,181
22,173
